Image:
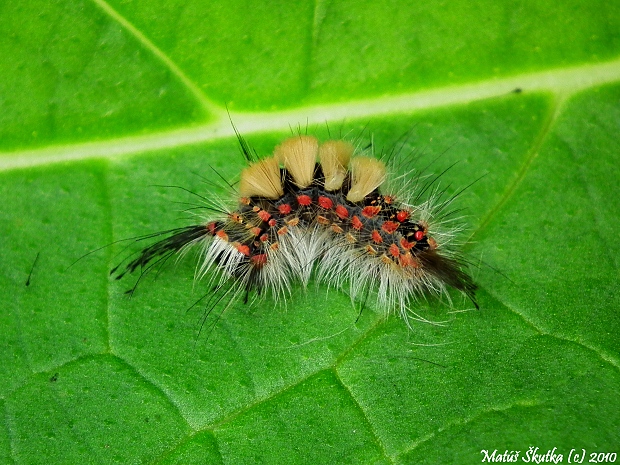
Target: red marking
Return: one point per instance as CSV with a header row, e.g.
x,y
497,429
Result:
x,y
264,238
282,231
376,237
342,212
390,226
264,215
394,250
406,245
222,235
244,201
259,260
272,222
244,249
357,223
325,202
402,215
419,235
211,228
255,231
370,212
304,200
284,209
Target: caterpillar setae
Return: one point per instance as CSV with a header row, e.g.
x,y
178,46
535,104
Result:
x,y
322,210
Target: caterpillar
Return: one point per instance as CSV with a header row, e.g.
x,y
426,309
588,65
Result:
x,y
323,210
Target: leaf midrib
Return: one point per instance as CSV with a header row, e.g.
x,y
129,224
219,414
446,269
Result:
x,y
560,82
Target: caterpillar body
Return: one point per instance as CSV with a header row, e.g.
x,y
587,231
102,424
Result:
x,y
319,209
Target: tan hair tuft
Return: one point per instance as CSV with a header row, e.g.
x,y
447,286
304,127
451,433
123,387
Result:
x,y
367,174
298,155
262,179
334,156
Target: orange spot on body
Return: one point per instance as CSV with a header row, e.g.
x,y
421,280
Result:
x,y
350,238
264,215
390,226
388,199
211,228
244,200
236,217
322,220
304,200
256,231
394,250
370,211
284,209
244,249
282,231
337,229
342,212
293,221
259,260
222,235
407,259
402,215
406,245
371,250
325,202
264,238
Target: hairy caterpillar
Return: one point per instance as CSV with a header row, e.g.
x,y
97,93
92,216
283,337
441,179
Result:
x,y
322,210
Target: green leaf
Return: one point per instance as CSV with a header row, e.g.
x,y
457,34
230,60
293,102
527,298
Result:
x,y
104,104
